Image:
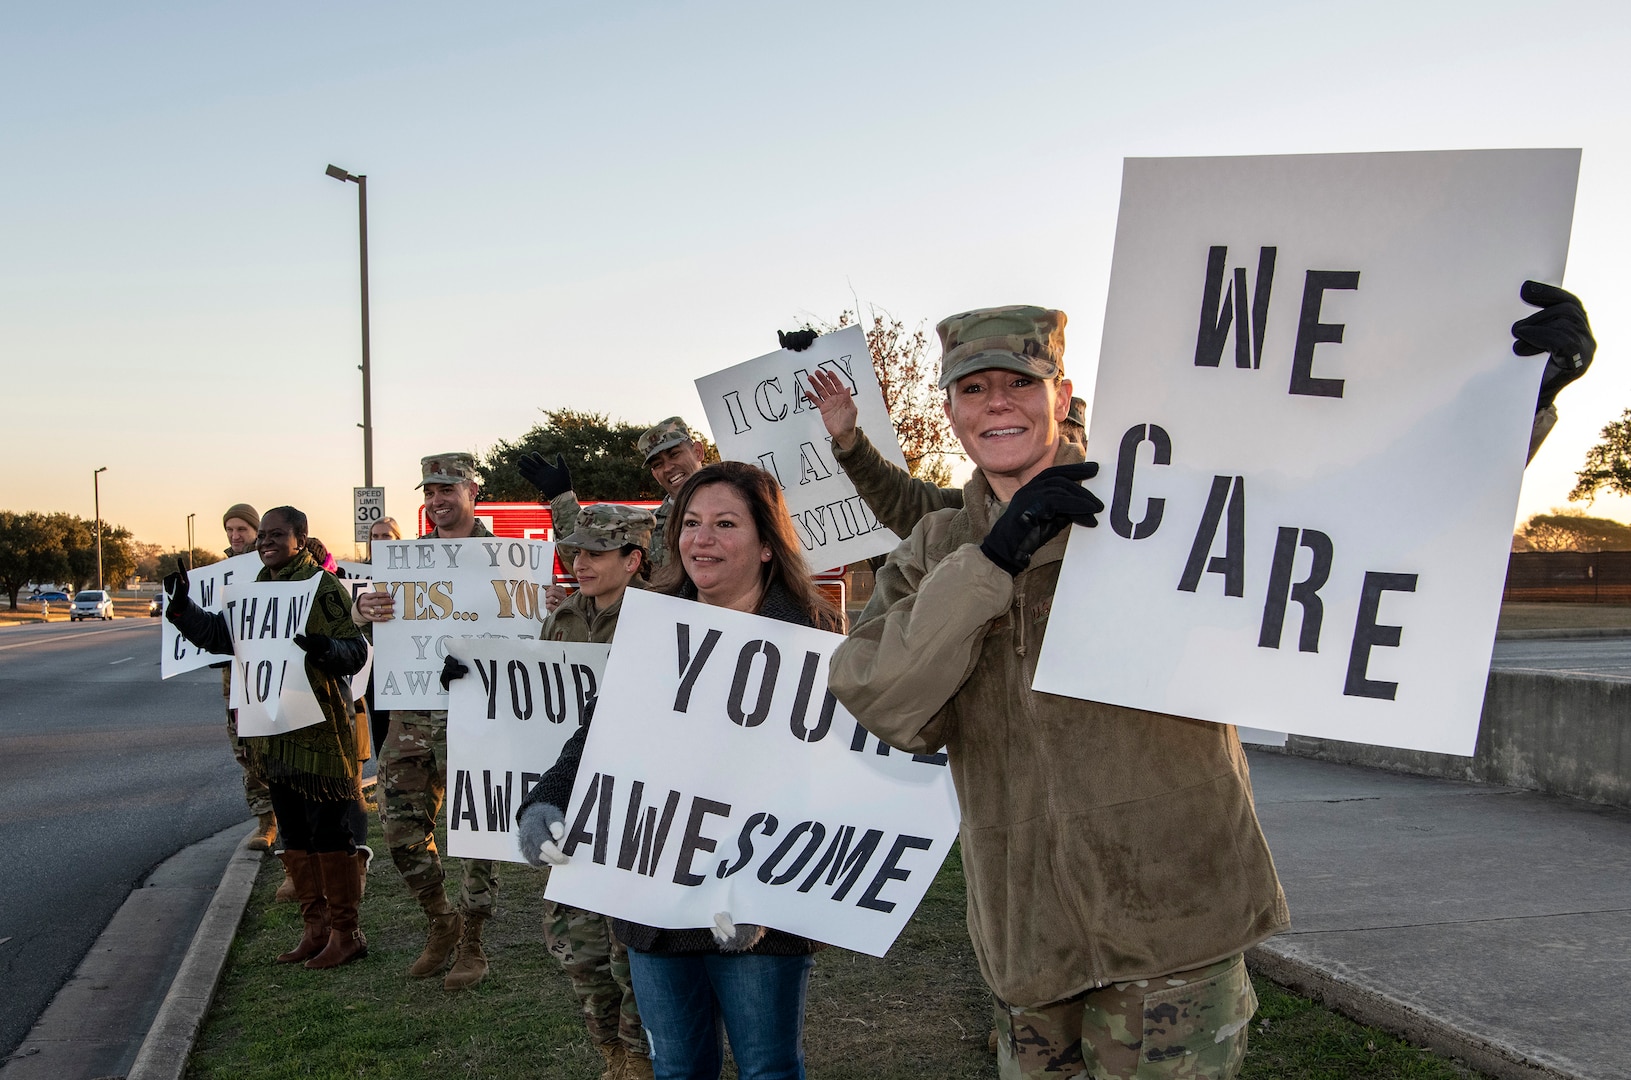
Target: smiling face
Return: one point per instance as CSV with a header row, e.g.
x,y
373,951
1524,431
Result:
x,y
674,466
240,536
720,548
603,575
277,541
1008,424
451,508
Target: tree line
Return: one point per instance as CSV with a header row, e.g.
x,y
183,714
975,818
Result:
x,y
60,548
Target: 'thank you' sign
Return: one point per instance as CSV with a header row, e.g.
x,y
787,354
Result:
x,y
1313,431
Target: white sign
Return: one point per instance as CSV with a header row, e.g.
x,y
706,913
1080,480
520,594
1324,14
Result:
x,y
1311,495
722,775
204,588
483,586
354,569
269,687
759,414
356,586
506,723
369,508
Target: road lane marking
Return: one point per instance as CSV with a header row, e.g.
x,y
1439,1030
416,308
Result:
x,y
120,661
64,637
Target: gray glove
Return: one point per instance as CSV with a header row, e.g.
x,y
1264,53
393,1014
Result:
x,y
540,829
734,937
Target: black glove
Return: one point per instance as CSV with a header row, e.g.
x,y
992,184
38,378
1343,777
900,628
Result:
x,y
176,586
1558,329
796,340
1039,511
452,669
316,646
550,480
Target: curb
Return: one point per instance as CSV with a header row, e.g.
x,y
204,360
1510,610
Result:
x,y
1581,633
169,1042
1329,986
163,1055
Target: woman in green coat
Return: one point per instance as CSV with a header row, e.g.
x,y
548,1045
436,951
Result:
x,y
311,772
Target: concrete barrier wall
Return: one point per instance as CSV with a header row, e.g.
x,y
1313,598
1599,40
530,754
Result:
x,y
1562,734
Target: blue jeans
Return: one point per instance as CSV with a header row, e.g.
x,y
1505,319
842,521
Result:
x,y
688,1003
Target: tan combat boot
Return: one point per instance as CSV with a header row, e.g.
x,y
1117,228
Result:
x,y
636,1066
445,927
285,892
265,832
471,966
616,1057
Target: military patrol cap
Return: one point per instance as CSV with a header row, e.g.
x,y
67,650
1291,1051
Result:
x,y
1078,413
608,526
1020,337
447,469
671,432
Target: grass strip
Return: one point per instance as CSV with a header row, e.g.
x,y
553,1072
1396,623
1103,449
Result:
x,y
922,1011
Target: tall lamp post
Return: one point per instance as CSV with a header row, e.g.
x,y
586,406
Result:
x,y
362,245
190,544
96,493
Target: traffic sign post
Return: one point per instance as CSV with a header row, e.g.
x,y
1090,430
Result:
x,y
370,506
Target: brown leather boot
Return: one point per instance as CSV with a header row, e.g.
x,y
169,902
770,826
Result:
x,y
307,875
342,883
445,928
471,966
265,832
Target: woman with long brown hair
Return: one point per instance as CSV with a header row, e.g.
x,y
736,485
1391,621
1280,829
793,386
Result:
x,y
730,544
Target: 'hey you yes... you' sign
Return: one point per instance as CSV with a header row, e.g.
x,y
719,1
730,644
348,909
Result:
x,y
722,775
480,586
759,414
1312,429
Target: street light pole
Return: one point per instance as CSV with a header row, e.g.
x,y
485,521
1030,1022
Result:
x,y
96,493
190,544
362,243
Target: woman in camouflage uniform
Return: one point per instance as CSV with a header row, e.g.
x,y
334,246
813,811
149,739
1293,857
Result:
x,y
607,550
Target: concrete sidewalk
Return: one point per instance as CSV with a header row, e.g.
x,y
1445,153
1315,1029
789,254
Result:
x,y
1489,923
1486,922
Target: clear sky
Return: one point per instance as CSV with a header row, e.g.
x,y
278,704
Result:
x,y
589,205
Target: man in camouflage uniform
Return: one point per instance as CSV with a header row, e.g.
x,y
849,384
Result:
x,y
241,523
1074,427
413,767
671,450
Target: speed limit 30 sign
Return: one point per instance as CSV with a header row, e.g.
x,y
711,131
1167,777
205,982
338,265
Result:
x,y
370,503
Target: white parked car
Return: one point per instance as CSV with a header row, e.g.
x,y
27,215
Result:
x,y
91,604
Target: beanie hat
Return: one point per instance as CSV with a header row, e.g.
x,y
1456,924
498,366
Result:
x,y
243,512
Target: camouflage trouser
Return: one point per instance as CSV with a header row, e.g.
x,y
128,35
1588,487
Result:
x,y
598,965
1187,1024
255,793
413,772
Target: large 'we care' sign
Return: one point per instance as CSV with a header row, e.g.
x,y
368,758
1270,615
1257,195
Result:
x,y
1313,430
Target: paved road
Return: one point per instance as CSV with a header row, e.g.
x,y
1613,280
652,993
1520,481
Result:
x,y
104,773
1578,656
